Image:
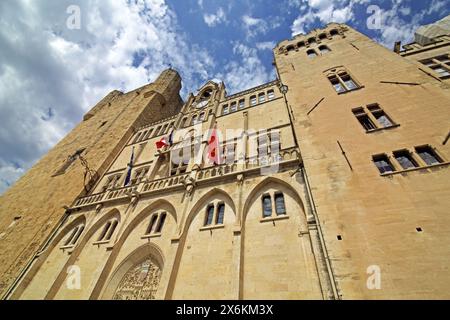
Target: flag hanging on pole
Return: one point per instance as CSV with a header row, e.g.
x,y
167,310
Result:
x,y
213,147
129,169
165,141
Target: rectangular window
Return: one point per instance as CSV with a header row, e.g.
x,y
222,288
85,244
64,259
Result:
x,y
261,97
380,115
405,159
241,104
253,100
342,82
428,155
220,213
233,106
383,164
337,85
364,119
267,206
270,94
225,109
209,215
280,206
443,72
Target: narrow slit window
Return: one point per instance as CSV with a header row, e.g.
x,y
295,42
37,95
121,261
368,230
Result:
x,y
383,164
152,224
241,104
104,231
233,107
279,204
220,213
405,159
225,109
253,100
209,215
72,235
267,206
111,230
162,219
270,94
428,155
78,234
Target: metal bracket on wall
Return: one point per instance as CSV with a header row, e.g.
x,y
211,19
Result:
x,y
345,155
317,104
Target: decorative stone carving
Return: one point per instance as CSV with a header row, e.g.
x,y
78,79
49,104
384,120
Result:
x,y
140,282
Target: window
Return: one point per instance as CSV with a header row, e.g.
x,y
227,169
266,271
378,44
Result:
x,y
311,40
194,120
342,82
428,155
290,48
162,219
280,207
164,129
225,109
228,150
74,236
138,175
111,182
242,104
108,230
383,164
334,32
178,164
267,206
324,49
301,44
322,36
149,134
440,65
311,54
152,224
202,117
405,159
233,106
137,137
261,97
380,115
220,213
443,72
270,94
209,215
364,119
253,100
183,122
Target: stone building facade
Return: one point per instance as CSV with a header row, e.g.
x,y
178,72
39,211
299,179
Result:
x,y
330,182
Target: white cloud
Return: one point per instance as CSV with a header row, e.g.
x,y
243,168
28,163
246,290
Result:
x,y
248,71
50,75
214,19
256,26
266,45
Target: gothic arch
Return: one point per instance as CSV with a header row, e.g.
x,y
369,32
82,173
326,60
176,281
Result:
x,y
141,216
261,186
201,203
46,254
147,251
88,233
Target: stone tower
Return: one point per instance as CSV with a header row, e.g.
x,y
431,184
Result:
x,y
34,206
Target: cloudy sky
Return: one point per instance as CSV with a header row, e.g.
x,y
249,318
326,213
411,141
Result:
x,y
50,74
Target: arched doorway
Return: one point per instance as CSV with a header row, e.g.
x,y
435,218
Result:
x,y
140,282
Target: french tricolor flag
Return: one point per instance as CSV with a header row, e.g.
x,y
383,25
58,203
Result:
x,y
164,141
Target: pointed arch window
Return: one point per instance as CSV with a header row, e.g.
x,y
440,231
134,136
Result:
x,y
108,231
74,236
214,216
209,215
273,206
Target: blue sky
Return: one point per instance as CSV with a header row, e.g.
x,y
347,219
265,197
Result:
x,y
50,74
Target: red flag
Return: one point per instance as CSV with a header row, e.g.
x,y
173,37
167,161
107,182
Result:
x,y
213,147
162,143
